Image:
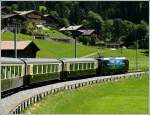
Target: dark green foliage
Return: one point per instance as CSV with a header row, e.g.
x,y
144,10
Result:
x,y
134,11
114,21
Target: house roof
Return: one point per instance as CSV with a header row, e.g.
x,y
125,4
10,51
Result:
x,y
11,15
8,16
24,12
86,32
71,28
21,45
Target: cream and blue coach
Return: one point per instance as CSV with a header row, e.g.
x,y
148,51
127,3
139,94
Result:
x,y
40,70
12,73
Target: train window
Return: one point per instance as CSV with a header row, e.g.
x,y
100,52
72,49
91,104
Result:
x,y
28,69
80,66
12,71
92,65
34,69
56,67
39,69
49,68
53,66
84,66
71,67
44,68
8,72
76,66
16,71
20,70
2,72
88,67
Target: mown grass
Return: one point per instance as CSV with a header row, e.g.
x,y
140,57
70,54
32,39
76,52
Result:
x,y
143,58
53,33
60,49
128,96
20,37
52,49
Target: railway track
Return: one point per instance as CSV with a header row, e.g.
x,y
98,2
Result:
x,y
17,102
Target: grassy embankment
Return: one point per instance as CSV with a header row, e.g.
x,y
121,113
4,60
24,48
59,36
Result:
x,y
128,96
53,33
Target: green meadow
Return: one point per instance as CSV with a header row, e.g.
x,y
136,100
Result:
x,y
66,50
124,96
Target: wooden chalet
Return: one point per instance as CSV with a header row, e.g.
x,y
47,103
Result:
x,y
33,16
51,21
25,49
9,20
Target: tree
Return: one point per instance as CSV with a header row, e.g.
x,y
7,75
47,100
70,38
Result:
x,y
107,32
29,27
14,7
43,9
96,22
141,31
64,22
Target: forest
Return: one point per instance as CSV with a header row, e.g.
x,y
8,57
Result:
x,y
115,21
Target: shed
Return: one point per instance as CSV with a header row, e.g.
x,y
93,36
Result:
x,y
88,32
113,45
25,49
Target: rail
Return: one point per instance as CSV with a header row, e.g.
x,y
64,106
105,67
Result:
x,y
15,103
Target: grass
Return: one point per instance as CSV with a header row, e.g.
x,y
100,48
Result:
x,y
10,36
53,33
52,49
61,50
128,96
143,58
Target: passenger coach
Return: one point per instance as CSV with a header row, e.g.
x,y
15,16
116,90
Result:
x,y
79,67
12,73
40,70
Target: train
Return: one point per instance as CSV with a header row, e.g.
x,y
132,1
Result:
x,y
23,72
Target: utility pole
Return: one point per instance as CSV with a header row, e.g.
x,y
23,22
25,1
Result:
x,y
75,47
15,40
15,27
136,54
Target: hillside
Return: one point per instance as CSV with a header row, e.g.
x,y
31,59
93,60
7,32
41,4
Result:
x,y
53,49
53,33
65,50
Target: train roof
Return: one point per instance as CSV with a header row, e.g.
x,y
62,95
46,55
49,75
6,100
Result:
x,y
109,58
78,59
40,60
7,60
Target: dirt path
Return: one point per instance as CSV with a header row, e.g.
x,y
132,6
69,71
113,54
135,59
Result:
x,y
89,55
